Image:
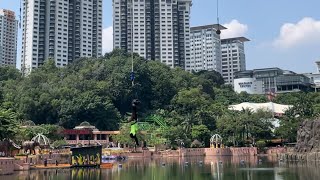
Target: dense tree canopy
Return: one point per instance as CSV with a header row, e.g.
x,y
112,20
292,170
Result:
x,y
190,105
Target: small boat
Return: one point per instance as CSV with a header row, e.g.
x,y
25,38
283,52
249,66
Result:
x,y
104,157
106,165
109,157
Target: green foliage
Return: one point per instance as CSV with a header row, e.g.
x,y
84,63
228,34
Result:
x,y
58,143
201,133
98,90
245,126
305,106
53,132
9,73
261,144
124,136
8,124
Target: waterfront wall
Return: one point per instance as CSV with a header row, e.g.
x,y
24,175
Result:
x,y
185,152
6,166
39,159
243,151
276,150
142,154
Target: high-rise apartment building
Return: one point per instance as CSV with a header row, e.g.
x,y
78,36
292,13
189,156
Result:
x,y
155,29
205,49
233,57
63,30
8,38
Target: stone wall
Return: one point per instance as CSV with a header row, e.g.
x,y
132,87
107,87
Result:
x,y
6,166
51,159
245,151
276,150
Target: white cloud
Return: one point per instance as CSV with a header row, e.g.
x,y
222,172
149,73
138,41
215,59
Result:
x,y
306,31
107,39
235,29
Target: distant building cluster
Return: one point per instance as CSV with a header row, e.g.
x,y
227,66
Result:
x,y
160,30
155,29
275,80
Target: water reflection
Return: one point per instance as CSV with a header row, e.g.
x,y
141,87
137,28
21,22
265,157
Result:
x,y
218,168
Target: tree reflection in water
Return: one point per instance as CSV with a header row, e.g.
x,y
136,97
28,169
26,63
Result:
x,y
197,168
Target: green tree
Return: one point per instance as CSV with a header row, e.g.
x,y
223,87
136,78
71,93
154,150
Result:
x,y
8,124
201,133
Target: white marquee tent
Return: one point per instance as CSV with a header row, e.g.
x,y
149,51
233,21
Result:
x,y
270,106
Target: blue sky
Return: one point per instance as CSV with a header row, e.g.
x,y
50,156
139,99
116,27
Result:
x,y
283,33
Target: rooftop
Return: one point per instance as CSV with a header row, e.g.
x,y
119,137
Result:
x,y
242,39
268,69
214,26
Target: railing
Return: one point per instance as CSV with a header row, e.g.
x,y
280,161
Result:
x,y
87,141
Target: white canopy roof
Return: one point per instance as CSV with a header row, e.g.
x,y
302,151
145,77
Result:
x,y
270,106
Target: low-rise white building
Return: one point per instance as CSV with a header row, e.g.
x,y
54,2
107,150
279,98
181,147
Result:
x,y
249,85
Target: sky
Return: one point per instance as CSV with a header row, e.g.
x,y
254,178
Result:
x,y
282,33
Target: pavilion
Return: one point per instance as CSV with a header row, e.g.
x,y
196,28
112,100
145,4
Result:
x,y
86,134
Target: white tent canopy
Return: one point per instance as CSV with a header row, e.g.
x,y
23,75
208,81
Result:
x,y
270,106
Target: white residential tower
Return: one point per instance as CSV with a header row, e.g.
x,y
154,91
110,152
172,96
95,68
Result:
x,y
205,49
63,30
156,29
8,38
233,57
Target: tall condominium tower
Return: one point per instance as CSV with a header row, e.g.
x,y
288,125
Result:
x,y
8,38
63,30
155,29
233,57
205,49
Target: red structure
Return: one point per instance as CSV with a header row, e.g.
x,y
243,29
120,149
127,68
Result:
x,y
86,134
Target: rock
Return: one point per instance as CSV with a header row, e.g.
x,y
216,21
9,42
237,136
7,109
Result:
x,y
308,137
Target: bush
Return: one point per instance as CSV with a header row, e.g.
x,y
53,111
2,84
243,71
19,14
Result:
x,y
59,143
261,144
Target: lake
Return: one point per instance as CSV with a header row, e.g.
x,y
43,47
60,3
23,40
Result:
x,y
195,168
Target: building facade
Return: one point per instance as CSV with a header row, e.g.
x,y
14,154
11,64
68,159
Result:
x,y
8,38
249,85
61,30
88,134
205,49
233,57
315,78
318,66
272,80
155,29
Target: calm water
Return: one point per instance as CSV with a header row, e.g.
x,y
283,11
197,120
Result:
x,y
219,168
